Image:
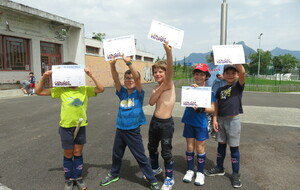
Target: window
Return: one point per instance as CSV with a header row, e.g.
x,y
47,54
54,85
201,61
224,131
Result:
x,y
149,59
93,50
138,57
14,53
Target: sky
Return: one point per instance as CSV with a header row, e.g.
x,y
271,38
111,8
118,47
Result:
x,y
278,20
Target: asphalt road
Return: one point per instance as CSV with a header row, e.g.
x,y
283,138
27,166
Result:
x,y
31,155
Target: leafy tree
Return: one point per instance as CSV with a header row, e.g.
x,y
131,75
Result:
x,y
265,59
208,58
284,63
99,36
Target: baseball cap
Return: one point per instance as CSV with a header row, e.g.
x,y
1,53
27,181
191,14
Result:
x,y
202,67
226,67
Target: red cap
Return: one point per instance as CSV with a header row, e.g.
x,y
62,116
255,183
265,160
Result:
x,y
202,67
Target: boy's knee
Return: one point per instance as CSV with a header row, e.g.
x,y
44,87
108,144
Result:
x,y
167,156
152,150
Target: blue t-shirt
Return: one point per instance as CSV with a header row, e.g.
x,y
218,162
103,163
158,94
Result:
x,y
131,114
230,99
191,117
213,81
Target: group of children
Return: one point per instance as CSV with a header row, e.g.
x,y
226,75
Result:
x,y
225,107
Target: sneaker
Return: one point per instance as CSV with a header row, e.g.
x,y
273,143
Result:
x,y
215,171
108,180
188,176
199,179
69,183
80,183
213,134
236,181
155,171
168,184
154,186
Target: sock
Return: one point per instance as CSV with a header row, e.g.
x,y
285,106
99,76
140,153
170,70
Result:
x,y
190,160
221,155
78,166
68,167
169,169
201,162
235,159
154,161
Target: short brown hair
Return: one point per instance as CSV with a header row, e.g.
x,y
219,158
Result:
x,y
69,63
128,72
162,64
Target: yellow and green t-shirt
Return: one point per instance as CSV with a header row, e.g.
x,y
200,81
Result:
x,y
74,103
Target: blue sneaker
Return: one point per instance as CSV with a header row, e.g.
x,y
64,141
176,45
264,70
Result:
x,y
108,180
168,184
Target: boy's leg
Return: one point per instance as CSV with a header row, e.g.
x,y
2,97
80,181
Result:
x,y
78,160
79,141
235,159
221,155
134,141
153,142
166,135
67,145
118,153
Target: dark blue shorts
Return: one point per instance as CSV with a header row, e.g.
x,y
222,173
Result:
x,y
198,133
67,137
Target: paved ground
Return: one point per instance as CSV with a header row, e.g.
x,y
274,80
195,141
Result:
x,y
31,156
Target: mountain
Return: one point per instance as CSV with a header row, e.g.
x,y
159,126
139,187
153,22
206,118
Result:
x,y
278,51
201,57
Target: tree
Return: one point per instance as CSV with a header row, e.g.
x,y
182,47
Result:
x,y
208,58
99,36
284,63
265,59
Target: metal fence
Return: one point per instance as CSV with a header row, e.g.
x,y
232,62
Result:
x,y
251,87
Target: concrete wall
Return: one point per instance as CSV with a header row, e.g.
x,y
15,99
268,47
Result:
x,y
101,69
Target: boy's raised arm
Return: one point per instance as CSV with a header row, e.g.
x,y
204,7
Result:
x,y
135,74
39,89
242,73
99,87
169,71
115,74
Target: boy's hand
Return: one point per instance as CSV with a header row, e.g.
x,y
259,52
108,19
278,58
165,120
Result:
x,y
126,58
194,85
167,47
47,74
88,72
216,126
113,61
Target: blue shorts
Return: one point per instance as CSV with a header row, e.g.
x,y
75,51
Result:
x,y
198,133
67,137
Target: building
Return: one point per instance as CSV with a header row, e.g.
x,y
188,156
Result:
x,y
34,40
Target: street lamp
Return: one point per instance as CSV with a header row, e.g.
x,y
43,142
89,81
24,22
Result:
x,y
259,37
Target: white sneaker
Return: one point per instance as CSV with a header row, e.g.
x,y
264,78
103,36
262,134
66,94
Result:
x,y
168,184
188,176
199,179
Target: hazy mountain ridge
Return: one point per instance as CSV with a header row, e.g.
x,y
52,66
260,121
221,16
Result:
x,y
201,57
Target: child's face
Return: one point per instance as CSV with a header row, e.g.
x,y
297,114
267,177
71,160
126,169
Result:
x,y
129,82
230,76
200,78
159,75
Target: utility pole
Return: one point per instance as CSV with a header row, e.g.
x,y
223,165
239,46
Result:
x,y
223,35
258,69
